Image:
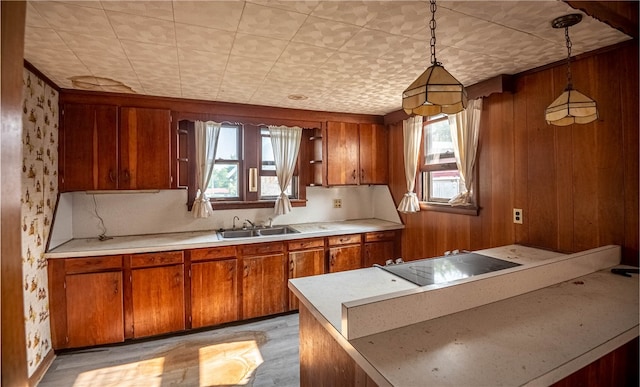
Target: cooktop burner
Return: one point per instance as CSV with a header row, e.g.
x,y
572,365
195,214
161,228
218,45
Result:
x,y
449,268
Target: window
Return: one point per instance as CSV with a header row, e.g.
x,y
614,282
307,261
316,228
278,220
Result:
x,y
225,181
269,187
242,149
439,178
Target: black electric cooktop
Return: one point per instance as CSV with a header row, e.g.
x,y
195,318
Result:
x,y
448,268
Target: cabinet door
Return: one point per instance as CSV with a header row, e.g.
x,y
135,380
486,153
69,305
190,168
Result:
x,y
374,167
89,147
377,252
302,264
214,292
342,153
263,285
145,148
158,300
345,258
94,309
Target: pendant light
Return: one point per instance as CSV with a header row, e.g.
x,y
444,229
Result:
x,y
571,107
435,91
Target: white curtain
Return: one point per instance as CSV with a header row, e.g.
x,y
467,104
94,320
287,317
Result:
x,y
206,136
286,144
412,133
465,127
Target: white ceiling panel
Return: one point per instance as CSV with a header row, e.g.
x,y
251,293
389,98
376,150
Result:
x,y
346,56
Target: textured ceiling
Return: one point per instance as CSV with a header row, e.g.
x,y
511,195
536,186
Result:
x,y
345,56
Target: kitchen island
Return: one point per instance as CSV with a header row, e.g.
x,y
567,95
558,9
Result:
x,y
527,332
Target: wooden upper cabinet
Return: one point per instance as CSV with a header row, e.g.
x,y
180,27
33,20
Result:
x,y
145,148
374,154
89,159
106,148
342,153
356,154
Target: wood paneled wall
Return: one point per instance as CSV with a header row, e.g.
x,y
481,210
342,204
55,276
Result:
x,y
577,185
14,355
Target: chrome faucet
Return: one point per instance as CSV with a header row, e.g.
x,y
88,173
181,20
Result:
x,y
251,223
234,222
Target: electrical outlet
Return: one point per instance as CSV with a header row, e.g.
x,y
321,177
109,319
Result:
x,y
517,215
337,203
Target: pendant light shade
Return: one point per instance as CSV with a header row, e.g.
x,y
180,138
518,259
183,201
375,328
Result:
x,y
436,90
571,107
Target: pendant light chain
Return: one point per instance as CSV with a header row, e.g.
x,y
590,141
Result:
x,y
432,26
566,36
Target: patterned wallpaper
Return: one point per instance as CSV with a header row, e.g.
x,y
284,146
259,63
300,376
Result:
x,y
39,193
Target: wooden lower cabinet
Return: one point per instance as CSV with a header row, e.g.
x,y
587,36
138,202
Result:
x,y
263,280
345,252
214,286
378,247
86,301
306,258
157,294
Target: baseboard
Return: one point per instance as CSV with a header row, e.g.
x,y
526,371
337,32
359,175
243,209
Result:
x,y
38,374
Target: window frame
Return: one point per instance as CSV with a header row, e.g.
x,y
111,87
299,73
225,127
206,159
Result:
x,y
422,183
250,157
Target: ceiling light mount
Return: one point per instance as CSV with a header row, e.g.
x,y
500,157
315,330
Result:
x,y
571,107
435,91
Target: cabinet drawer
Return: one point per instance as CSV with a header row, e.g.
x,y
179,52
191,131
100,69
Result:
x,y
344,239
261,248
379,236
90,264
306,244
156,259
213,253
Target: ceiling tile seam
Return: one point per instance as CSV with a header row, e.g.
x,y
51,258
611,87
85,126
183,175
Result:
x,y
226,65
74,54
140,84
41,17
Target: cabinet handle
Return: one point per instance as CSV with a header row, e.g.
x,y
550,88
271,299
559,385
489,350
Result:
x,y
246,271
126,175
362,174
112,176
354,174
115,287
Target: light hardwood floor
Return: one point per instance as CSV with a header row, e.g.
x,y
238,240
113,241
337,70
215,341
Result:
x,y
259,353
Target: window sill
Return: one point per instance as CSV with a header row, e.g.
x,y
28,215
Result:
x,y
471,210
232,205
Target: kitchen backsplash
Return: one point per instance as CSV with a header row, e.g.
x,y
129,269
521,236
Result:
x,y
164,211
39,192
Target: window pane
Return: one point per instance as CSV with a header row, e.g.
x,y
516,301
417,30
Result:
x,y
438,144
444,185
228,143
268,161
224,181
269,187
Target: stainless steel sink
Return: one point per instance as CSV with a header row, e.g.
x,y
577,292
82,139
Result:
x,y
238,233
278,230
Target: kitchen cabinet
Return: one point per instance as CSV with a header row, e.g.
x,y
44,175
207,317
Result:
x,y
378,247
345,252
374,154
306,257
157,303
356,154
264,279
145,148
214,286
104,147
86,301
88,147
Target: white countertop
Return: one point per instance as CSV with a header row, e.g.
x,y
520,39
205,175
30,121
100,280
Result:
x,y
202,239
530,337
